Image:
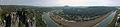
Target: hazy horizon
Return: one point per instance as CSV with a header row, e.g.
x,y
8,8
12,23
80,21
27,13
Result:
x,y
61,2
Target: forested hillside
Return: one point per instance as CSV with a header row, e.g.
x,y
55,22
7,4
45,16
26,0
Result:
x,y
68,13
85,14
38,12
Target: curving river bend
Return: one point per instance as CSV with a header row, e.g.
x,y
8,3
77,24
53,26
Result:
x,y
49,21
104,23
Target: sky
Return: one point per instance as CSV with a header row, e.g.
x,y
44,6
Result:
x,y
62,2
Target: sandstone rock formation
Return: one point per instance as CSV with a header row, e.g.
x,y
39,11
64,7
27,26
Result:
x,y
19,19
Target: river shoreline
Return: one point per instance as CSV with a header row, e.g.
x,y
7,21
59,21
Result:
x,y
49,21
106,21
83,24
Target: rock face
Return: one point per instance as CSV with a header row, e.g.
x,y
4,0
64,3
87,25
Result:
x,y
2,23
18,19
14,19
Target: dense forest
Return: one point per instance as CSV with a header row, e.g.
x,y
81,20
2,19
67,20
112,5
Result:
x,y
80,14
68,13
38,12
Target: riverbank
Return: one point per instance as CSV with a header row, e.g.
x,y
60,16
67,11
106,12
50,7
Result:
x,y
56,20
40,20
113,21
81,24
49,21
43,19
106,21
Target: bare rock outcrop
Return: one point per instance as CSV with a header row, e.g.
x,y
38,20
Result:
x,y
19,19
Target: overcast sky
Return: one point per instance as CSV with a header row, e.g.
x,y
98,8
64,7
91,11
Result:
x,y
62,2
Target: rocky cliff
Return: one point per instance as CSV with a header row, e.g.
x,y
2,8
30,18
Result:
x,y
22,18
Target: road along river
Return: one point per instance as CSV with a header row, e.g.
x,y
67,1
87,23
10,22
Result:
x,y
49,21
106,21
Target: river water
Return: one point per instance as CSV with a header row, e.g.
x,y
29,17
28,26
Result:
x,y
106,21
49,21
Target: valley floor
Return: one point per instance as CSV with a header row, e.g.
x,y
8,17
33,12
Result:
x,y
90,23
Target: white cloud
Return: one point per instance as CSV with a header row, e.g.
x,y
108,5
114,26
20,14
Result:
x,y
80,3
75,2
1,1
63,2
109,2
